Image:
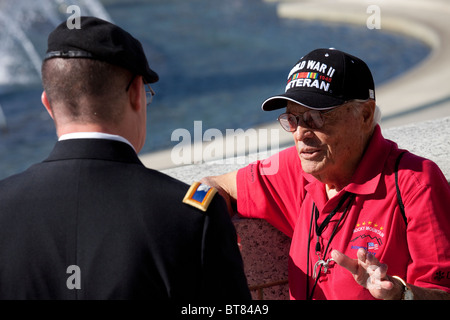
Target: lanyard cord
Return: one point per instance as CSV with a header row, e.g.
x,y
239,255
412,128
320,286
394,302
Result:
x,y
319,230
325,222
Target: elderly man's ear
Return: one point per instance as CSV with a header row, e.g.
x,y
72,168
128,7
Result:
x,y
368,112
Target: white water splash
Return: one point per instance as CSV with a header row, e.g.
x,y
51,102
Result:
x,y
24,28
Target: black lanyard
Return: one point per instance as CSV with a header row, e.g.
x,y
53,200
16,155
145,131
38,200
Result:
x,y
319,229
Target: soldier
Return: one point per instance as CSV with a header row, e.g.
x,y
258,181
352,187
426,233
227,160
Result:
x,y
91,222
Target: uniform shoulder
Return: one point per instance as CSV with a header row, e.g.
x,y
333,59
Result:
x,y
175,193
199,195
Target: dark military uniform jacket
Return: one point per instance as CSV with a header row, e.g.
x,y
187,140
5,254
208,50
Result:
x,y
92,222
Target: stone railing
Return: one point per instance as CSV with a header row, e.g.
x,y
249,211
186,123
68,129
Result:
x,y
264,249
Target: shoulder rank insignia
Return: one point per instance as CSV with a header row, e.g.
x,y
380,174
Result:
x,y
199,195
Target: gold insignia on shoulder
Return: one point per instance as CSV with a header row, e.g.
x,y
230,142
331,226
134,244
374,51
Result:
x,y
199,195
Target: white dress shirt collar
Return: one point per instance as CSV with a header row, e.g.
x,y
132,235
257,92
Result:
x,y
94,135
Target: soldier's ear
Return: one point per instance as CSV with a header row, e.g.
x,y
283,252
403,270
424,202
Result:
x,y
135,95
46,104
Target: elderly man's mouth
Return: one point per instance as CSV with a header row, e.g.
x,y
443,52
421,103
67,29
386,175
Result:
x,y
310,153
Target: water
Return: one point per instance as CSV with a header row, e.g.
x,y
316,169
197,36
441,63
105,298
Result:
x,y
217,61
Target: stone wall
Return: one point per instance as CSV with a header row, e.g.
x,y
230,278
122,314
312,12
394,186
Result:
x,y
264,249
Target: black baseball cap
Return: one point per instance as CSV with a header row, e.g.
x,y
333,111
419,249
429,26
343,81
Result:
x,y
324,79
100,40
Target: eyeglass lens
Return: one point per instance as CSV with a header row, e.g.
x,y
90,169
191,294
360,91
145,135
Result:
x,y
312,119
149,93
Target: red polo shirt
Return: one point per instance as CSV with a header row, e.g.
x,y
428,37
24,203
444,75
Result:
x,y
417,251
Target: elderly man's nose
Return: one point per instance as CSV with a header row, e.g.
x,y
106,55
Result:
x,y
302,133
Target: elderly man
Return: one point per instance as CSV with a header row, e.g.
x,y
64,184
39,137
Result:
x,y
90,221
335,192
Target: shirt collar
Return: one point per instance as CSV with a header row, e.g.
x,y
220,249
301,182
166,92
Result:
x,y
94,135
368,173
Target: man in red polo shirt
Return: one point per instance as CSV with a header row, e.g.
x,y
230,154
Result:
x,y
335,192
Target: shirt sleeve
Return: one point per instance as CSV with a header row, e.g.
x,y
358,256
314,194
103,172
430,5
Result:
x,y
271,189
426,194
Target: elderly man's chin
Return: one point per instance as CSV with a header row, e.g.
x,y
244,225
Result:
x,y
313,163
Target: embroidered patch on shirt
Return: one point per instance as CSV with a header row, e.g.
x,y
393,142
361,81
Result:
x,y
199,195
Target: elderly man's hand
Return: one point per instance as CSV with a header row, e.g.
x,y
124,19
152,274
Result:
x,y
226,186
369,273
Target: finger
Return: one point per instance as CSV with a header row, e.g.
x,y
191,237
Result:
x,y
387,285
372,270
377,278
371,259
366,258
362,255
380,289
345,261
382,267
374,275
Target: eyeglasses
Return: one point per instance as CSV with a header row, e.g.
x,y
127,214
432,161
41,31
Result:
x,y
149,93
311,119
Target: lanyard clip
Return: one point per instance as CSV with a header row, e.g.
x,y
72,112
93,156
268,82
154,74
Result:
x,y
319,265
